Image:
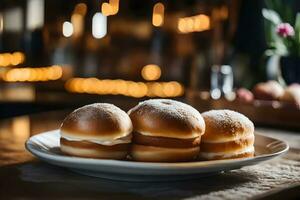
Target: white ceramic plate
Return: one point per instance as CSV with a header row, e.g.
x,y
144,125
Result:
x,y
45,146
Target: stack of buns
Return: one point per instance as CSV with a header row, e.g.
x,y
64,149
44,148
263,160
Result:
x,y
157,130
165,131
228,134
98,130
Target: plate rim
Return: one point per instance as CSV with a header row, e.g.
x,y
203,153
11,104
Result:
x,y
29,145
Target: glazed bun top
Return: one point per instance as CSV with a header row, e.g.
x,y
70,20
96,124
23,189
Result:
x,y
167,118
226,125
99,121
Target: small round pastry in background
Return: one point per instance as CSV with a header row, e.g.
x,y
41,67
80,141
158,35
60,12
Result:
x,y
165,131
270,90
244,95
99,130
228,134
292,95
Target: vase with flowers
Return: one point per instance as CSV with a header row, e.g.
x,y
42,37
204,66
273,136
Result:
x,y
282,31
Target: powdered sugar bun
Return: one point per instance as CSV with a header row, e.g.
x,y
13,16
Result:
x,y
167,118
165,131
98,131
226,125
98,121
228,134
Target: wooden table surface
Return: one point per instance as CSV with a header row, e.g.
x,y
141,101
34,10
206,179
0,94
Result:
x,y
24,177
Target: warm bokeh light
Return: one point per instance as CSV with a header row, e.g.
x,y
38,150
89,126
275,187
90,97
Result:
x,y
172,89
158,14
77,21
193,24
11,59
80,9
5,59
156,90
115,6
125,88
224,12
181,25
67,29
151,72
1,23
106,9
17,58
21,128
137,89
220,13
33,74
157,20
111,8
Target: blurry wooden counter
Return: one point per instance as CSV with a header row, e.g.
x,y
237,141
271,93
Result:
x,y
25,177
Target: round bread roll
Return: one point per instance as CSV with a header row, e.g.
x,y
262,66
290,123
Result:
x,y
244,95
228,134
292,95
165,131
99,130
270,90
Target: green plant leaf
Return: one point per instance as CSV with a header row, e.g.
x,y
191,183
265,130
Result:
x,y
274,41
297,33
297,22
271,15
282,8
287,14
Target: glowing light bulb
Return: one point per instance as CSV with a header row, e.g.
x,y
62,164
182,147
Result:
x,y
99,25
151,72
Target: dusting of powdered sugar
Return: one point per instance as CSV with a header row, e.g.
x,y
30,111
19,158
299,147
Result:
x,y
167,108
228,119
98,111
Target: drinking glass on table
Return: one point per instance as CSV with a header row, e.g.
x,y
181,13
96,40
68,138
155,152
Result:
x,y
221,81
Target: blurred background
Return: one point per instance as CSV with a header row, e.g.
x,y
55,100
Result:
x,y
63,54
